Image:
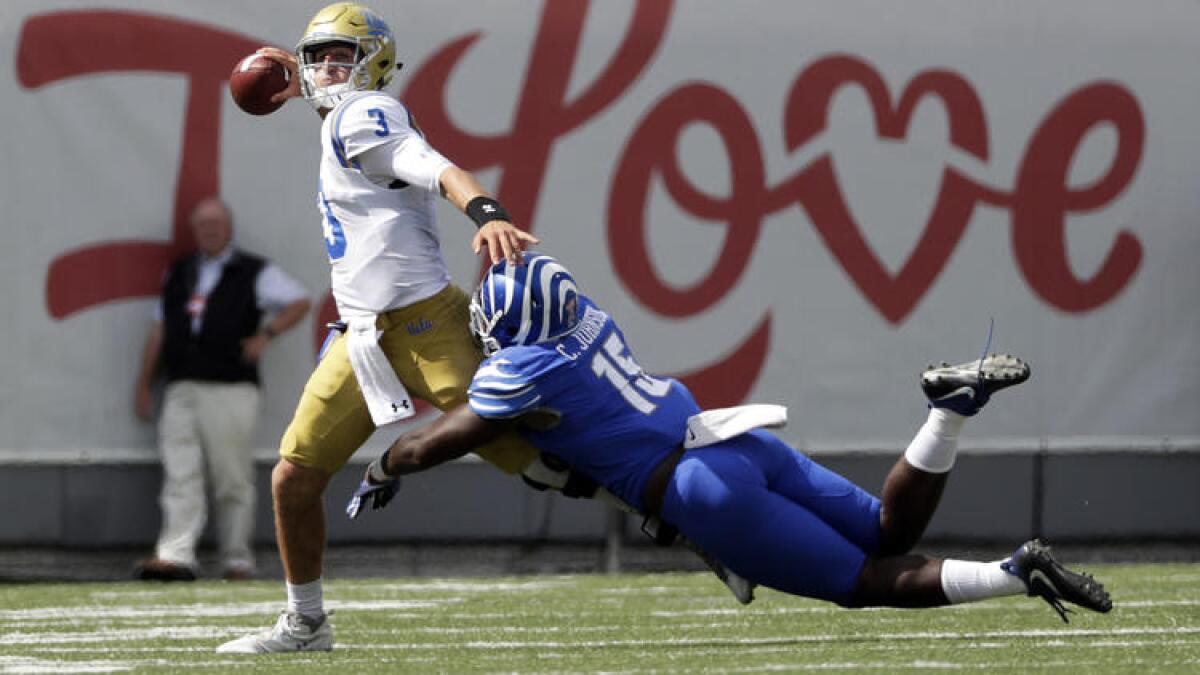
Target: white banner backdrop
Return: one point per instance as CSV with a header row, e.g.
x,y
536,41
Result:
x,y
794,202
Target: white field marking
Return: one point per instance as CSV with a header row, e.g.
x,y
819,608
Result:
x,y
1182,577
1098,644
346,659
616,626
492,628
82,615
754,611
988,645
23,664
782,639
121,635
124,650
108,665
1123,604
75,615
471,586
52,614
1101,644
1105,644
32,665
647,590
760,650
966,607
142,595
435,586
888,666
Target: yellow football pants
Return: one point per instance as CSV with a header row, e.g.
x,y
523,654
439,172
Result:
x,y
430,345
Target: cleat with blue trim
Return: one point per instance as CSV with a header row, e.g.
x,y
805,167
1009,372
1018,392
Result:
x,y
1046,578
966,387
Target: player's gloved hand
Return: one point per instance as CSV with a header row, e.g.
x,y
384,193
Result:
x,y
376,488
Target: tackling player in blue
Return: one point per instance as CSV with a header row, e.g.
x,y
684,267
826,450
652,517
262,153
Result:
x,y
560,371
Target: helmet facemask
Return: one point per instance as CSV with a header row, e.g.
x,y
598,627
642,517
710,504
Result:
x,y
359,78
482,326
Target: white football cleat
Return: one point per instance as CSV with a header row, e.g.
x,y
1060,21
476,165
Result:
x,y
293,632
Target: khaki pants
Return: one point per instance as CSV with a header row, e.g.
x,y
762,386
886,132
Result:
x,y
208,424
431,347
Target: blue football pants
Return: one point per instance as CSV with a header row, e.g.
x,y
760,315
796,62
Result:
x,y
774,516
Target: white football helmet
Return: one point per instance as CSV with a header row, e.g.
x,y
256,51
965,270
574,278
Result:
x,y
355,26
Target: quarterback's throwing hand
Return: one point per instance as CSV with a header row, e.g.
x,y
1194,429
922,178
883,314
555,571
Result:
x,y
503,241
288,61
377,494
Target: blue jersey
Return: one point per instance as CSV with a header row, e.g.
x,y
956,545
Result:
x,y
614,422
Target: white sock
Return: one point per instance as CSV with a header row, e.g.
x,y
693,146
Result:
x,y
965,581
306,599
935,446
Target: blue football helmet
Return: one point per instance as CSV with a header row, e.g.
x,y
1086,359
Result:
x,y
524,304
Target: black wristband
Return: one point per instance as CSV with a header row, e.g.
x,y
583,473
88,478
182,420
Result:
x,y
482,210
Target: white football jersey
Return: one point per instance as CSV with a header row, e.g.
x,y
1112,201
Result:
x,y
379,178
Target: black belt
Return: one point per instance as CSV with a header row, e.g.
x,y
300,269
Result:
x,y
656,485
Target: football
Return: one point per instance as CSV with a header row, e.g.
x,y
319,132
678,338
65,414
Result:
x,y
254,80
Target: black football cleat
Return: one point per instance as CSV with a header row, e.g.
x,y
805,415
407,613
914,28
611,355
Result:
x,y
1046,578
965,388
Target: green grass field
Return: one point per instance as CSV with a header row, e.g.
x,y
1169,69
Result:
x,y
680,622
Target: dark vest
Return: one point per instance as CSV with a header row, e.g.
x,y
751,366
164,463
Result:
x,y
230,316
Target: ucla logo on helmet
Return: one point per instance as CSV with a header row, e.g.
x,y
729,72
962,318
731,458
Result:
x,y
375,23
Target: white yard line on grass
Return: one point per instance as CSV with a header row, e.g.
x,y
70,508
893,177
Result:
x,y
468,586
116,635
834,609
785,639
464,586
24,664
1072,665
51,614
21,664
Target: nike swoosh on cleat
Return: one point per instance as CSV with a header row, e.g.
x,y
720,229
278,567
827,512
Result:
x,y
1038,575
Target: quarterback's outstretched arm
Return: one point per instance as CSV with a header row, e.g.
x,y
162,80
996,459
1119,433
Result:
x,y
503,240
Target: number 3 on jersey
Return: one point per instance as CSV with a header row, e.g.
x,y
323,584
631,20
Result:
x,y
381,120
614,363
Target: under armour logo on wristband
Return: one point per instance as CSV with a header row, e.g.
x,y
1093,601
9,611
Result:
x,y
482,210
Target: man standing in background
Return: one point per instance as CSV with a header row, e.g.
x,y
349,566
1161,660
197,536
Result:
x,y
207,338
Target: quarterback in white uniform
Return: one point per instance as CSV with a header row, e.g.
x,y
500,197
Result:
x,y
378,181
